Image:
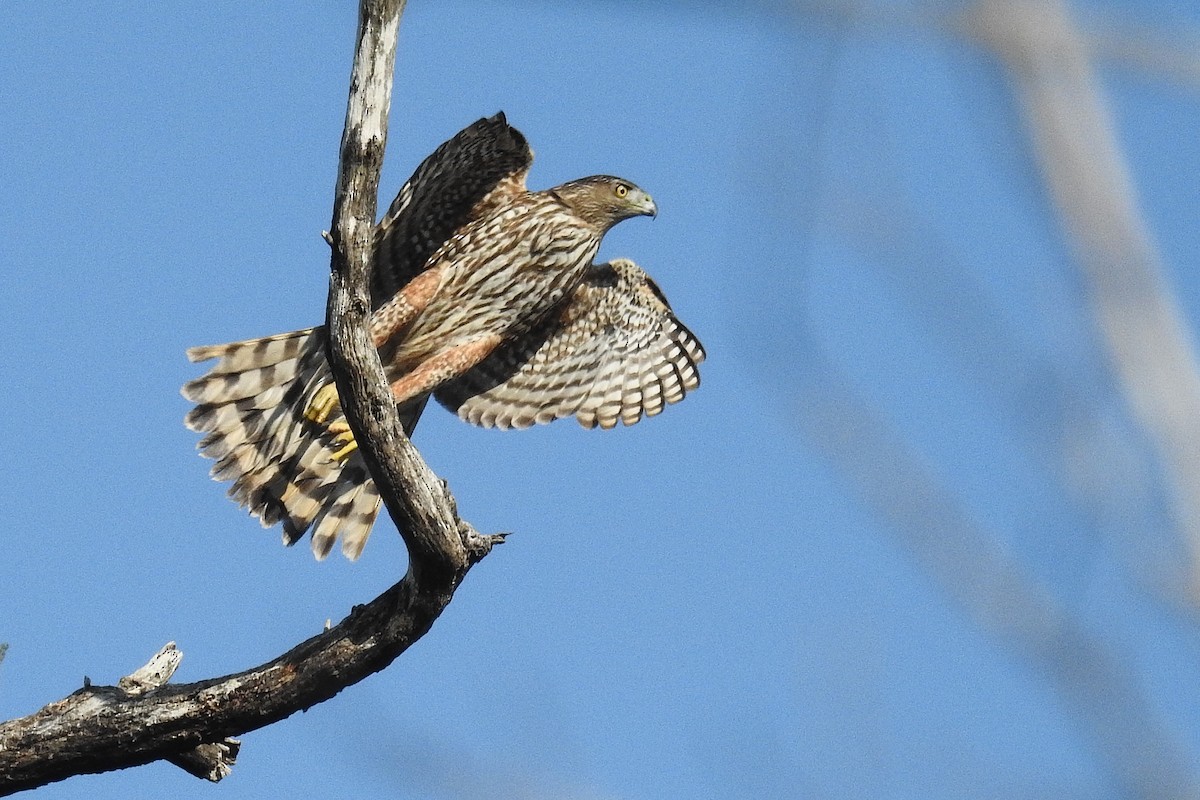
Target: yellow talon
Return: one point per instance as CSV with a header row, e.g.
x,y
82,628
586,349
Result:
x,y
342,435
344,453
322,404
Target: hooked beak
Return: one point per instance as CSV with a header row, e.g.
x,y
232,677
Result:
x,y
649,208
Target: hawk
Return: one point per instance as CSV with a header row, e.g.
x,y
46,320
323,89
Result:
x,y
485,296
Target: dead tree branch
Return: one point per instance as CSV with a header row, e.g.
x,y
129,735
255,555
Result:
x,y
441,547
144,719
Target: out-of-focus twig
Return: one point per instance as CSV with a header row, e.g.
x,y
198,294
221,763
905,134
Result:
x,y
431,767
972,565
1062,408
1156,51
1149,344
1000,596
1170,55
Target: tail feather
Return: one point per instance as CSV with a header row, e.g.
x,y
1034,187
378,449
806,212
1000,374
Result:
x,y
220,415
218,443
225,387
350,515
249,406
358,521
252,353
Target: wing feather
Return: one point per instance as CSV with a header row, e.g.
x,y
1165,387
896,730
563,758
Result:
x,y
479,166
613,352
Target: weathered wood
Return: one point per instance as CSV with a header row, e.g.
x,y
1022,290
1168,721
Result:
x,y
144,719
212,762
441,546
156,672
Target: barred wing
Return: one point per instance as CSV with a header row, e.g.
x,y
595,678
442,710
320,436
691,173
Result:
x,y
613,352
479,165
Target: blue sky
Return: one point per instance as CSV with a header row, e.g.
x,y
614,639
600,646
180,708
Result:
x,y
706,605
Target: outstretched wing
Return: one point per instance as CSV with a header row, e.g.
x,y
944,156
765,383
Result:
x,y
479,165
612,352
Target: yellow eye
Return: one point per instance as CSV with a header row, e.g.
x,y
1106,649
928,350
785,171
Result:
x,y
621,190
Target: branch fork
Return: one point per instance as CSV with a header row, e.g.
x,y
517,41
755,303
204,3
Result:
x,y
144,718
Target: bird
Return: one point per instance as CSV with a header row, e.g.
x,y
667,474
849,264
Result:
x,y
486,296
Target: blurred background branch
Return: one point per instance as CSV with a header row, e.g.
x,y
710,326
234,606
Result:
x,y
1047,57
972,566
1137,316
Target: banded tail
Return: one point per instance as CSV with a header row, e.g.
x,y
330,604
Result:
x,y
250,406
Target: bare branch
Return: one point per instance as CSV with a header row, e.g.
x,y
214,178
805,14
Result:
x,y
156,672
143,719
441,546
1138,318
416,499
101,728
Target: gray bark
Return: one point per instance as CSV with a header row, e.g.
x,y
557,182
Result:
x,y
144,719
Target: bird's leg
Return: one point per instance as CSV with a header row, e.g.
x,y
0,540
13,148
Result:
x,y
386,321
442,366
343,439
402,309
432,373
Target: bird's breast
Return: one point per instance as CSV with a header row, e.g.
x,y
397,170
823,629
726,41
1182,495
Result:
x,y
501,287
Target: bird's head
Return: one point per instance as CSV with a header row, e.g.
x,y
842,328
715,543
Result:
x,y
604,200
